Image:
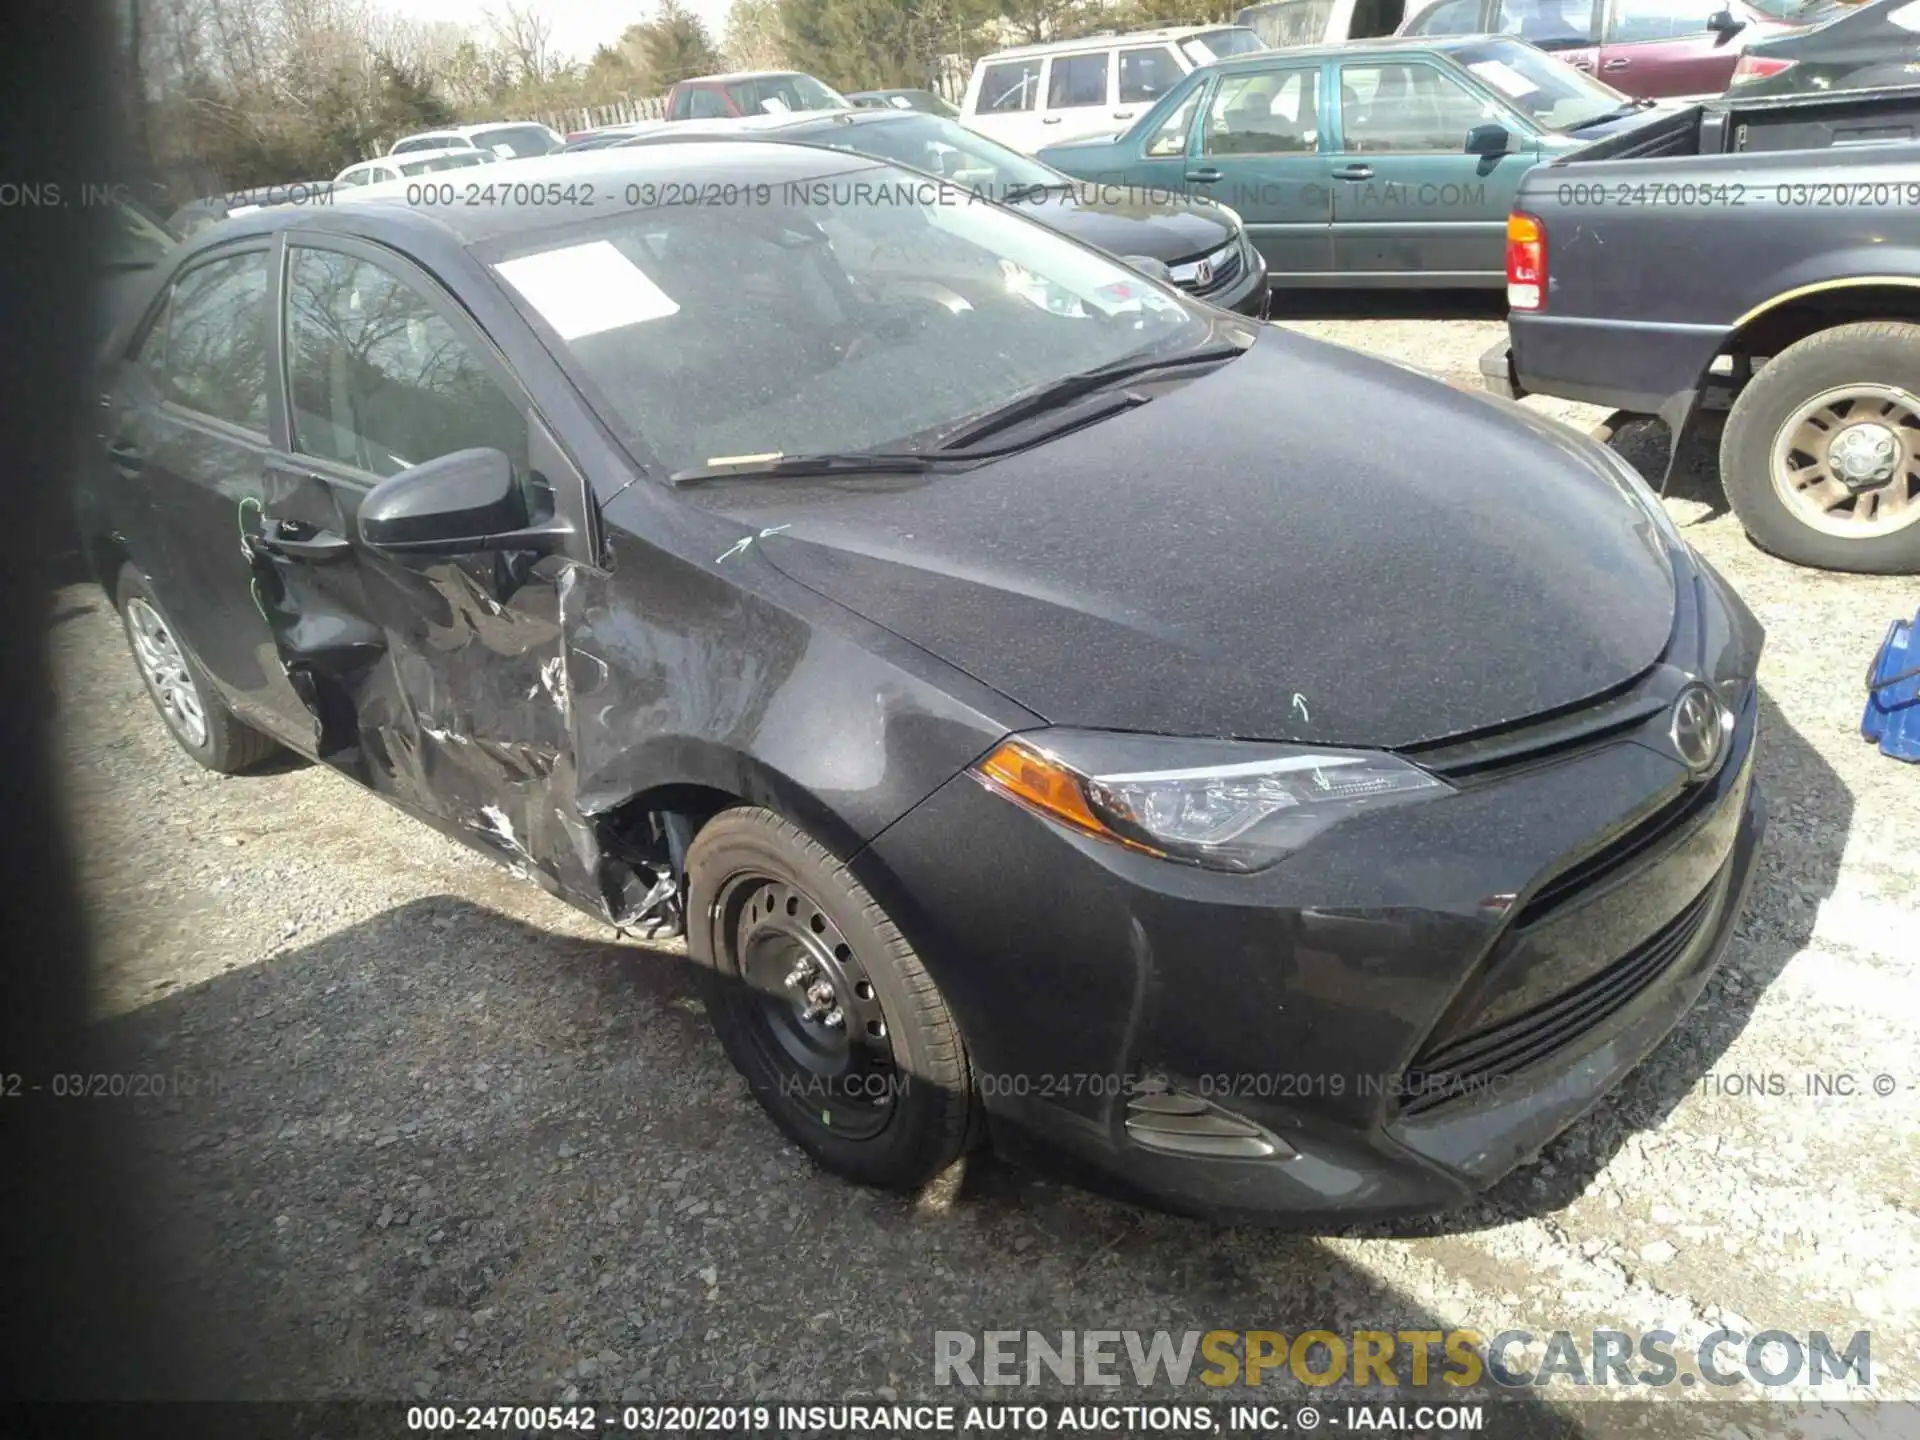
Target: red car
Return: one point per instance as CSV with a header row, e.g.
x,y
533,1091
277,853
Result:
x,y
1656,49
762,92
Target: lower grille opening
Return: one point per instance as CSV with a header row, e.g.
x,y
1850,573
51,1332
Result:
x,y
1181,1124
1477,1062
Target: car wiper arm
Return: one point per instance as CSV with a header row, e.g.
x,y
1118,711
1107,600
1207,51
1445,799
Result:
x,y
1064,392
774,466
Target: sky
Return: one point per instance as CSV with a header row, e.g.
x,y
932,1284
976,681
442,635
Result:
x,y
578,25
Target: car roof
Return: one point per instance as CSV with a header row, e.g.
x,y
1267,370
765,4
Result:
x,y
382,211
1104,39
732,75
1373,46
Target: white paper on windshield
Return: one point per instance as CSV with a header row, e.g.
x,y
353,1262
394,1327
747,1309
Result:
x,y
1907,17
1504,78
774,105
505,152
586,289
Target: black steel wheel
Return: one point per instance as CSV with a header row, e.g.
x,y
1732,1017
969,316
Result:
x,y
823,1006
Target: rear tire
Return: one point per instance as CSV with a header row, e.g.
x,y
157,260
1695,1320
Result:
x,y
823,1006
196,717
1788,483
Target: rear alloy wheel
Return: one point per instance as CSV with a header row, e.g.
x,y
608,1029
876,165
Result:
x,y
1821,454
823,1006
196,717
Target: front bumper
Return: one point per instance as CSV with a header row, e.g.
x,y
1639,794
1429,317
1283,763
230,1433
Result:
x,y
1529,939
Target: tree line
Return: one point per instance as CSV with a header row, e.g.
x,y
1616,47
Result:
x,y
221,94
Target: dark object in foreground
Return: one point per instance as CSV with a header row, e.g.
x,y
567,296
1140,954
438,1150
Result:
x,y
1755,254
921,701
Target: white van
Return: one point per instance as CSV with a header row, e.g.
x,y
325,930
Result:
x,y
1281,23
1035,95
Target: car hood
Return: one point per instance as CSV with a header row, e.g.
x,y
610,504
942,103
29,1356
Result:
x,y
1306,544
1125,222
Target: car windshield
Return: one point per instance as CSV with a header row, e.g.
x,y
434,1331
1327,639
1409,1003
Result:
x,y
778,94
443,162
1214,45
941,147
514,142
853,311
1552,92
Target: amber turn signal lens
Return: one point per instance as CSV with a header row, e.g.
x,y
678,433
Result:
x,y
1022,773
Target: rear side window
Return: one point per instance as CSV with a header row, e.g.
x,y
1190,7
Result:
x,y
207,348
378,379
1549,24
1450,17
1077,80
1009,86
1147,73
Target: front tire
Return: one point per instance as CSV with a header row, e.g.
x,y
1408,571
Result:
x,y
1821,453
823,1006
180,689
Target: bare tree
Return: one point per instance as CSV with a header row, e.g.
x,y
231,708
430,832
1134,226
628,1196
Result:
x,y
752,39
526,36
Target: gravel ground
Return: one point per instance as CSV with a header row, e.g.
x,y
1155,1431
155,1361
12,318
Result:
x,y
430,1133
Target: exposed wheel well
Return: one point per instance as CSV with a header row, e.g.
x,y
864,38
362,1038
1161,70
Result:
x,y
1776,329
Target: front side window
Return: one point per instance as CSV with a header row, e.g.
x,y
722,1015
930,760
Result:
x,y
1008,87
207,348
1077,80
1407,109
1265,112
854,312
378,379
1147,72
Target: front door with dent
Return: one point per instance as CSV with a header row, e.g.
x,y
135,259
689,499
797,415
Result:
x,y
1258,149
1408,200
438,680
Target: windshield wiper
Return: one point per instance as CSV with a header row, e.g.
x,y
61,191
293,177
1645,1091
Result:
x,y
765,467
1064,392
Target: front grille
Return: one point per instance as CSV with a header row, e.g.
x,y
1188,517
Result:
x,y
1479,1060
1590,870
1227,262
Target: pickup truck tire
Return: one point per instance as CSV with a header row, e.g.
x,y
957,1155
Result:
x,y
824,1007
1788,481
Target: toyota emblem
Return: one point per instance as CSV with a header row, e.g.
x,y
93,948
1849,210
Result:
x,y
1698,729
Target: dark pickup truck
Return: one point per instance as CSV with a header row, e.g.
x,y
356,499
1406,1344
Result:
x,y
1761,256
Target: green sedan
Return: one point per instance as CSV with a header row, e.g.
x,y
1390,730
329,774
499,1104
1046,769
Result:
x,y
1377,162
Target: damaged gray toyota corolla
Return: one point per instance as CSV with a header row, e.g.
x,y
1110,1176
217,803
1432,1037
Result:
x,y
1250,776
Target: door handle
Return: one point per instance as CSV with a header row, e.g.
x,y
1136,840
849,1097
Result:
x,y
1123,114
1582,64
1049,119
1204,176
1619,62
127,457
1354,172
322,547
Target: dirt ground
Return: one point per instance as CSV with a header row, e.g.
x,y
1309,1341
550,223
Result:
x,y
427,1132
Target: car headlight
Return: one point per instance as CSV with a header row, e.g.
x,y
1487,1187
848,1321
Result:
x,y
1229,806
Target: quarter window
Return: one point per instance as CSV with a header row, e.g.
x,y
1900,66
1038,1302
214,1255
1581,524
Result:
x,y
1077,80
378,379
1407,110
1009,86
207,349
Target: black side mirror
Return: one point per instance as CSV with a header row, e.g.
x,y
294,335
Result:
x,y
1725,24
1489,139
458,504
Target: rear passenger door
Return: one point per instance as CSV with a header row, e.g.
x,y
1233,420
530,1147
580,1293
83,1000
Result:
x,y
1410,205
1258,147
1078,97
188,431
437,680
